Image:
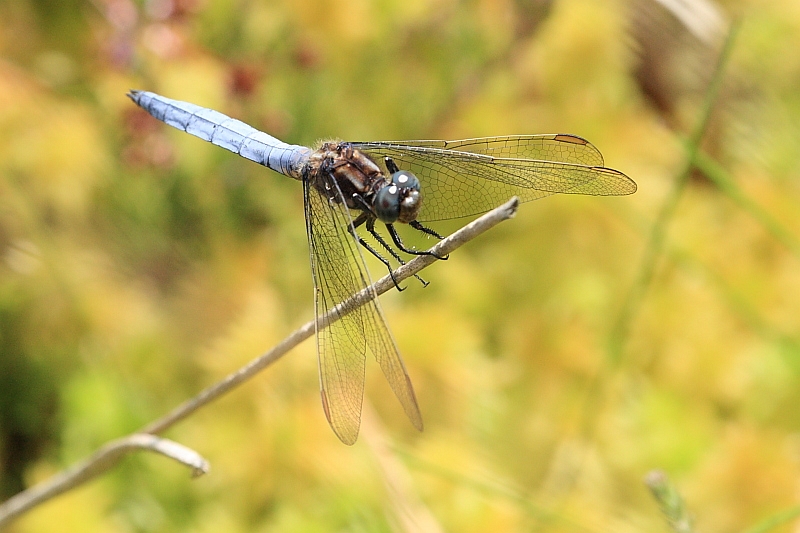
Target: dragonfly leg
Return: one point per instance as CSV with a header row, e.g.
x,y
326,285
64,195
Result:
x,y
399,243
418,226
365,208
364,217
390,165
382,242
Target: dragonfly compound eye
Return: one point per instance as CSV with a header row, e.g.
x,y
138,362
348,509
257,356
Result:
x,y
405,179
409,197
400,200
387,203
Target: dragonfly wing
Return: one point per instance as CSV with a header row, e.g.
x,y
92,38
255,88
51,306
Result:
x,y
562,147
384,348
339,272
459,183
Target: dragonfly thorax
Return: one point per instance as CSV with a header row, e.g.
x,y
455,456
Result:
x,y
399,200
345,175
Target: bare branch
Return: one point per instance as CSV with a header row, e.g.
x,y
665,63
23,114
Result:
x,y
101,461
110,454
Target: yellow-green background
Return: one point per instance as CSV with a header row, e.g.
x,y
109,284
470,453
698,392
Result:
x,y
139,265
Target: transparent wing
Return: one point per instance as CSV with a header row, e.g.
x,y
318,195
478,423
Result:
x,y
482,173
562,147
339,272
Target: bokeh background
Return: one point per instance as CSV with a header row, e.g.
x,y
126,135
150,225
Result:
x,y
557,359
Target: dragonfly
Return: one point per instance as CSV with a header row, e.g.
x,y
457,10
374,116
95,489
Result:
x,y
347,185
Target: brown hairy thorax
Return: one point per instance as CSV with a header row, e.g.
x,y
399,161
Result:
x,y
352,170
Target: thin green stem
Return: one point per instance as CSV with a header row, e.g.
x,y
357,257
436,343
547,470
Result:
x,y
494,489
776,520
670,501
658,233
725,182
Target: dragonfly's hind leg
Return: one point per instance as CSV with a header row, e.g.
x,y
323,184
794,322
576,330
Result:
x,y
382,242
399,243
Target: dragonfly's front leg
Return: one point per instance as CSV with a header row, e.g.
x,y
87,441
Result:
x,y
419,227
391,166
399,243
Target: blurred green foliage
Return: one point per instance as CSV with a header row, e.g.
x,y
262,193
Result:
x,y
139,264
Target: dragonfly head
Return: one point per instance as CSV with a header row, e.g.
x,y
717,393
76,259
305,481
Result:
x,y
400,199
